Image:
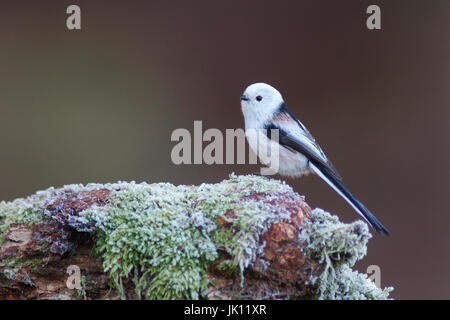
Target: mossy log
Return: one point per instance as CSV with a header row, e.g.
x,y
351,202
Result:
x,y
248,237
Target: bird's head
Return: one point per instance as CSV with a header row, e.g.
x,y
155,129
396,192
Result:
x,y
260,101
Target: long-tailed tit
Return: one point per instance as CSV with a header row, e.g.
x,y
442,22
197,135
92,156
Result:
x,y
264,109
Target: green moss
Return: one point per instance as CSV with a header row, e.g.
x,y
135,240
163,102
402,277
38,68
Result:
x,y
337,247
81,293
33,262
27,210
164,237
353,285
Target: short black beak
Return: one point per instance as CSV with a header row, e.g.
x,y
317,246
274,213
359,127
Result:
x,y
244,98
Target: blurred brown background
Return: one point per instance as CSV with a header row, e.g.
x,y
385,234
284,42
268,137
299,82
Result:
x,y
99,105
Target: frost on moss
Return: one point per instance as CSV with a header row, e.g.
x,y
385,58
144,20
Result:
x,y
164,237
28,210
337,247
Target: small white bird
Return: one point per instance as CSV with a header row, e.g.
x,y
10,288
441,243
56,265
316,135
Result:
x,y
264,109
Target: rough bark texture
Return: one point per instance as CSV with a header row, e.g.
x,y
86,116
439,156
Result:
x,y
280,268
35,255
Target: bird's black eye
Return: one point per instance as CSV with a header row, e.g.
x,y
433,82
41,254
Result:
x,y
258,98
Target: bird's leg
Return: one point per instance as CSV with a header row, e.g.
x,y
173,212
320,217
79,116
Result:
x,y
262,175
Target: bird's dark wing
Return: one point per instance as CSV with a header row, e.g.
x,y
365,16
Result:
x,y
297,137
305,148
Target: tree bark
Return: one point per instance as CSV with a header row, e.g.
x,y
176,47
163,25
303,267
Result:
x,y
46,240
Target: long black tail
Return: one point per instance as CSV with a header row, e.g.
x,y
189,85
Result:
x,y
350,198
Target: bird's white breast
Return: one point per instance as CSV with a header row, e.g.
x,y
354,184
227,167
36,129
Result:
x,y
291,163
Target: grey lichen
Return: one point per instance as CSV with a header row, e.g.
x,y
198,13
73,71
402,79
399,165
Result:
x,y
337,247
28,210
164,237
168,235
